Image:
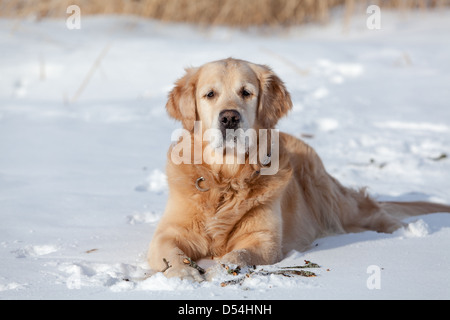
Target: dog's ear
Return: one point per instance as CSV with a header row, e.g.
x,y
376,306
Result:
x,y
274,100
181,104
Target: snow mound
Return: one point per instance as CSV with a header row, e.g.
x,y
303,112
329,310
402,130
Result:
x,y
35,251
156,182
416,229
11,286
116,276
159,282
145,217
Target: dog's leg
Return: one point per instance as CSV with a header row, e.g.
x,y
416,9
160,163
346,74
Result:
x,y
358,212
171,260
251,245
167,255
251,256
379,221
387,216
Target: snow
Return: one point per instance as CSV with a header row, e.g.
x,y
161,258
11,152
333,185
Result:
x,y
84,136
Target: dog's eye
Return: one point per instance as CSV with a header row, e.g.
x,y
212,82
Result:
x,y
246,93
210,94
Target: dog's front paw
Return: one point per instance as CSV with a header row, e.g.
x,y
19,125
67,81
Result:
x,y
184,272
240,258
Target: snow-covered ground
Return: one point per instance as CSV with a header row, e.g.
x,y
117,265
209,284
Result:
x,y
84,134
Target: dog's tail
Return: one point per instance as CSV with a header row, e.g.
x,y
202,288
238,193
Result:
x,y
407,209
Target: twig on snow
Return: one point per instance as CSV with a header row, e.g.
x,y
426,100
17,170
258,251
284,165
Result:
x,y
308,264
194,265
284,271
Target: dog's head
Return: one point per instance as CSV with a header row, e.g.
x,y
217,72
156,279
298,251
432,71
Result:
x,y
228,95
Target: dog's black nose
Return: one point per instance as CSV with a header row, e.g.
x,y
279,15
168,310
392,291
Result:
x,y
229,119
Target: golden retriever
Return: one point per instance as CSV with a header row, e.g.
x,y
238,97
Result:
x,y
229,210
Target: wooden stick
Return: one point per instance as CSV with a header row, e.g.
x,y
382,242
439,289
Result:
x,y
308,264
194,265
293,66
167,265
91,73
285,272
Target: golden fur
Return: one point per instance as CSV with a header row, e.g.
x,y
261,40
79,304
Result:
x,y
246,218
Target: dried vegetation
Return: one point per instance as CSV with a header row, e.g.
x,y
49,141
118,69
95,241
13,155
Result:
x,y
235,13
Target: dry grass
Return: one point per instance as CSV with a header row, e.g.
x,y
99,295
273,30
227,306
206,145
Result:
x,y
237,13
